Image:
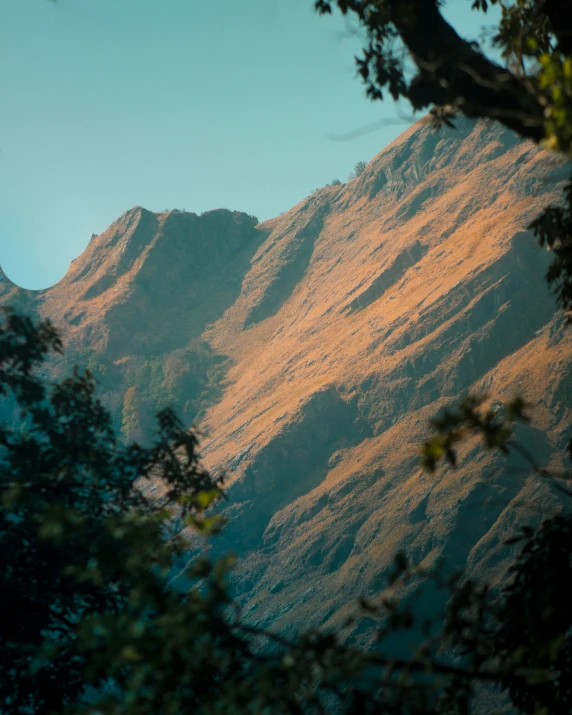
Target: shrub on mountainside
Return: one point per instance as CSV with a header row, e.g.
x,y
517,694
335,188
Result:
x,y
135,389
358,170
130,423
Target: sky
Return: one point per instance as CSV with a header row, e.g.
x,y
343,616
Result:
x,y
186,104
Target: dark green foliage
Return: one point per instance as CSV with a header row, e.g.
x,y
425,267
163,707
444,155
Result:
x,y
553,228
535,620
71,517
91,625
358,169
527,633
455,424
187,379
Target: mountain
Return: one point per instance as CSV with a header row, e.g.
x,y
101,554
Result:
x,y
313,349
133,307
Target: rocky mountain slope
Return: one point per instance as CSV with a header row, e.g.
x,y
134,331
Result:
x,y
314,347
133,307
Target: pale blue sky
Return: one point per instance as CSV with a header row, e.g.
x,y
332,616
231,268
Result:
x,y
190,104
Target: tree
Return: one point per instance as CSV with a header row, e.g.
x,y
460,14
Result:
x,y
358,170
130,423
413,53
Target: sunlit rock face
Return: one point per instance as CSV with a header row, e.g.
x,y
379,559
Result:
x,y
313,348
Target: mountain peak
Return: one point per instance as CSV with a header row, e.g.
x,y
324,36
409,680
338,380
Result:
x,y
146,262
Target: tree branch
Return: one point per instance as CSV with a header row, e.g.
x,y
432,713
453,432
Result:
x,y
451,69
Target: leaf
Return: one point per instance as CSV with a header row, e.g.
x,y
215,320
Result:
x,y
130,654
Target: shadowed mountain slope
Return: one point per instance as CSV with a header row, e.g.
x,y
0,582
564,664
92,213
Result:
x,y
133,307
314,348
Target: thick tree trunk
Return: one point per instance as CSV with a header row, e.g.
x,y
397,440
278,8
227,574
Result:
x,y
450,68
559,13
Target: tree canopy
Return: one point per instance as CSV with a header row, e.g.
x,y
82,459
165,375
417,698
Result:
x,y
358,169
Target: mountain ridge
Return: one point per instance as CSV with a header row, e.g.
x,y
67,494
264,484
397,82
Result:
x,y
313,348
